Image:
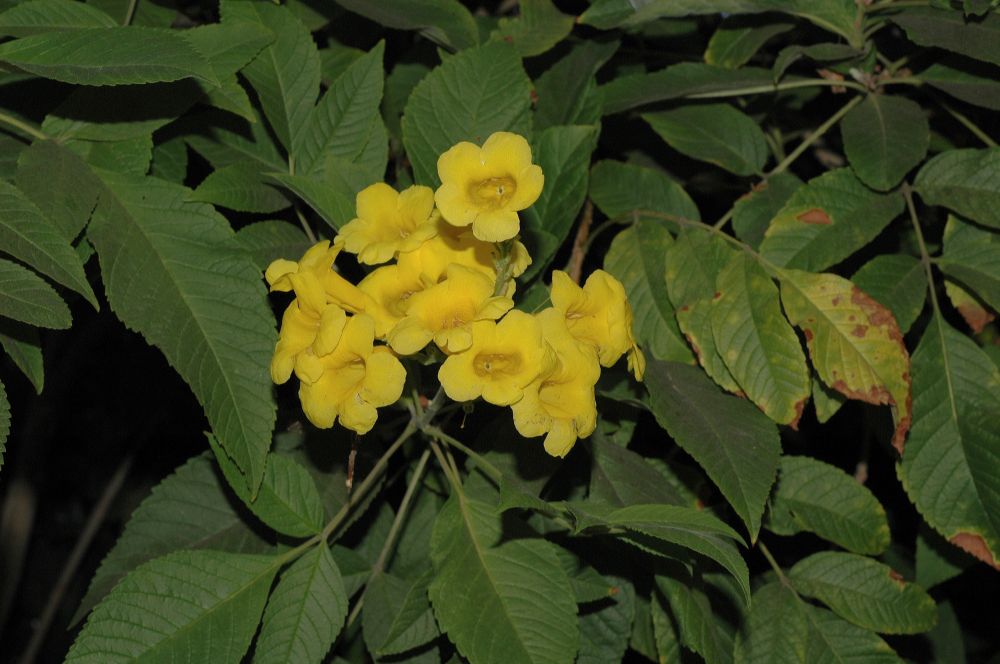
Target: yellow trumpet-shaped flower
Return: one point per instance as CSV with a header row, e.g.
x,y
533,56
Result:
x,y
314,281
503,359
598,313
303,337
487,186
389,289
389,222
356,378
560,403
445,312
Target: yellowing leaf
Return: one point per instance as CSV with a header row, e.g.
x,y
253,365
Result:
x,y
854,342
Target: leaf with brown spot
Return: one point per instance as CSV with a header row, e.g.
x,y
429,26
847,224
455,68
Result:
x,y
814,216
951,466
874,367
972,310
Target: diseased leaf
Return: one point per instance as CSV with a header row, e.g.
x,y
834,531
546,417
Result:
x,y
826,221
972,256
898,282
966,181
938,561
826,400
884,138
240,187
854,342
717,133
752,213
26,297
975,313
446,22
733,441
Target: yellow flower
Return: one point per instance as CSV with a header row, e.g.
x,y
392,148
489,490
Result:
x,y
504,358
598,313
487,186
356,378
314,281
388,222
560,403
303,337
389,289
445,312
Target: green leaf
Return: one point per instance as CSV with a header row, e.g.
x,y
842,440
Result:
x,y
286,74
686,80
950,30
972,256
567,91
228,47
335,58
397,614
39,16
716,133
190,509
398,86
937,561
697,628
173,272
304,613
621,477
129,157
22,345
826,400
341,125
865,592
287,500
752,213
107,56
267,241
26,297
60,184
538,27
4,421
966,181
755,341
185,606
738,38
668,644
692,264
499,600
331,198
618,189
446,22
884,138
240,187
949,466
227,140
854,342
972,82
467,98
29,236
605,627
823,53
827,220
898,282
782,629
814,496
733,441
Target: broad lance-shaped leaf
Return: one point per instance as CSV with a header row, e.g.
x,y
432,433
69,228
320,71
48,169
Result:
x,y
755,341
854,342
190,509
397,614
173,272
621,477
966,181
446,22
623,191
637,259
897,281
499,600
972,256
40,16
717,133
826,221
467,98
736,444
865,592
29,236
189,606
26,297
605,625
738,38
820,498
59,183
693,263
567,91
697,627
752,213
242,187
949,468
24,348
305,612
884,138
974,83
270,240
783,629
930,26
538,27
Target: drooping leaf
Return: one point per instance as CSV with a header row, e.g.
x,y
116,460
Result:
x,y
972,256
966,181
446,22
717,133
690,80
949,467
567,91
267,241
26,297
827,52
185,606
397,614
937,561
884,137
637,259
865,592
755,341
304,613
40,16
621,477
854,342
697,627
733,441
752,214
972,82
814,496
826,221
951,30
226,140
173,272
499,601
60,184
826,400
605,627
738,38
107,56
23,347
241,187
898,282
537,28
668,642
331,195
467,98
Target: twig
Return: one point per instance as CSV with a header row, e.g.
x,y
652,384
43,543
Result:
x,y
22,126
580,244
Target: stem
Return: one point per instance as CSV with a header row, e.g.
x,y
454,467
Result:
x,y
726,217
305,224
580,245
969,124
404,506
505,252
130,14
776,567
453,480
495,473
787,85
925,257
22,126
813,137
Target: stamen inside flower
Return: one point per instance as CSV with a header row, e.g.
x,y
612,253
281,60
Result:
x,y
489,363
493,192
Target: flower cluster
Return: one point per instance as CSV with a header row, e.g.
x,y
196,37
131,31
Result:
x,y
447,261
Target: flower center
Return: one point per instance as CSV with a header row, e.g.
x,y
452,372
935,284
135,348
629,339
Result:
x,y
493,192
487,364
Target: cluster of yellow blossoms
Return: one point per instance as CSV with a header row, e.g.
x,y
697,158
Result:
x,y
456,256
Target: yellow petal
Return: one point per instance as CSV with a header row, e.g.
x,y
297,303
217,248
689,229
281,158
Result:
x,y
455,206
319,409
458,379
496,225
331,326
456,164
560,439
529,187
506,153
409,336
377,201
278,269
384,378
358,416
